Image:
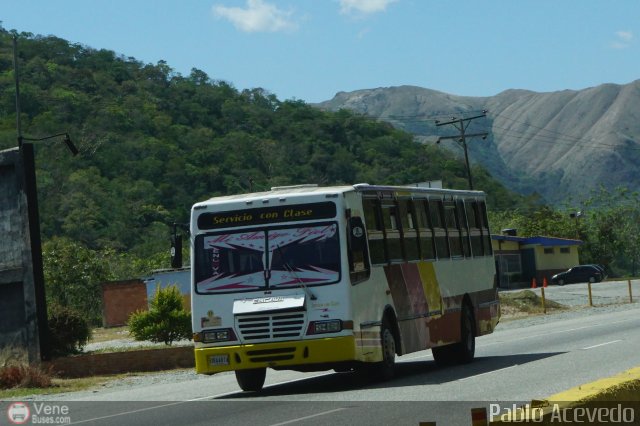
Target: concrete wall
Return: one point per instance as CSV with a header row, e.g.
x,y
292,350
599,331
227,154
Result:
x,y
509,246
22,304
120,299
556,261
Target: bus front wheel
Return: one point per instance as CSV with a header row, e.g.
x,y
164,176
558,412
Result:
x,y
251,380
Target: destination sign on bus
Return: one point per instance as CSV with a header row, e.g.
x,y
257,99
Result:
x,y
262,215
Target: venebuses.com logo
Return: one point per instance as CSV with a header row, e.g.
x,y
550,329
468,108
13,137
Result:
x,y
20,413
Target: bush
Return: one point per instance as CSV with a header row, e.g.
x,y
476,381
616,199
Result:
x,y
73,274
69,331
24,376
166,321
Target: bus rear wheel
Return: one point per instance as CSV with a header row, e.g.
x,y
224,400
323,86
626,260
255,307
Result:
x,y
251,380
463,351
466,349
386,369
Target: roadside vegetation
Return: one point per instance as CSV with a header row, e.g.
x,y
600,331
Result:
x,y
152,142
17,373
607,222
59,385
519,304
166,320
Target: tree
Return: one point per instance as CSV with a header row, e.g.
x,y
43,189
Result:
x,y
73,274
165,321
153,142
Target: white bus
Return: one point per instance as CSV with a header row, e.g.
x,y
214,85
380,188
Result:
x,y
345,277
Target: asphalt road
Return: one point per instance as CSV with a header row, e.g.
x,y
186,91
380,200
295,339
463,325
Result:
x,y
523,360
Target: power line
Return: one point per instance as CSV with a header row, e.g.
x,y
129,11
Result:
x,y
461,124
549,136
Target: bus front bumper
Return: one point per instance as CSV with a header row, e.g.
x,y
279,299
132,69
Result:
x,y
280,354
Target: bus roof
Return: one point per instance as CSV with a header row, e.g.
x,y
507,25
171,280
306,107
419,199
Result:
x,y
310,189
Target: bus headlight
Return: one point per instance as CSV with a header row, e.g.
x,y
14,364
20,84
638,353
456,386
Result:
x,y
320,327
221,335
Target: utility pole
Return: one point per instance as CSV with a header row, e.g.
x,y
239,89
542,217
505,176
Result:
x,y
17,82
461,124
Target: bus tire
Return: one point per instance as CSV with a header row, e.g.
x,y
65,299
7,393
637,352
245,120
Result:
x,y
466,349
386,369
251,380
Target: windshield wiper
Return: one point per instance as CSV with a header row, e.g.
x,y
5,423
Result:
x,y
289,269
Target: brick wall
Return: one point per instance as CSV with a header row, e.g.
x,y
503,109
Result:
x,y
122,362
120,299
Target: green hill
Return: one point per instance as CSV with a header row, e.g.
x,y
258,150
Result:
x,y
152,142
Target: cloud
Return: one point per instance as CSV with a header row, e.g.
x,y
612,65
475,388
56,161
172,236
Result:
x,y
258,16
624,39
625,35
364,7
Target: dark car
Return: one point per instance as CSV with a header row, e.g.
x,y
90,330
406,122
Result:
x,y
601,268
578,274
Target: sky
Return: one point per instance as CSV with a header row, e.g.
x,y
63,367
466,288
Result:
x,y
310,50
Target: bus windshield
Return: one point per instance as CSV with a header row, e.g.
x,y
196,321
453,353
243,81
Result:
x,y
271,258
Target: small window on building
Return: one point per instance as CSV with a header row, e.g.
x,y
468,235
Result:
x,y
548,250
565,250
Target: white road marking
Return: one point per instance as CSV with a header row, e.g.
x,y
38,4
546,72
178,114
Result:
x,y
552,332
299,419
126,413
488,372
602,344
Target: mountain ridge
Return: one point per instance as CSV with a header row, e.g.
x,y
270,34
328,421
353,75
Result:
x,y
561,144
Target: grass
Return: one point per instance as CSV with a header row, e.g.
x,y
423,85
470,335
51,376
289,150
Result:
x,y
16,375
524,303
100,335
66,385
111,333
143,347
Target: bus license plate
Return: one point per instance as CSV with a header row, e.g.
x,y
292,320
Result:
x,y
219,360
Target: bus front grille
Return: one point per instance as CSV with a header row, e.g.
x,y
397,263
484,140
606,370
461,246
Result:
x,y
271,326
270,355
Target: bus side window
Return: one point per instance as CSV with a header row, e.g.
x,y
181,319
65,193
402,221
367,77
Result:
x,y
464,228
486,237
374,230
452,229
474,228
427,248
409,230
440,233
392,231
358,255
